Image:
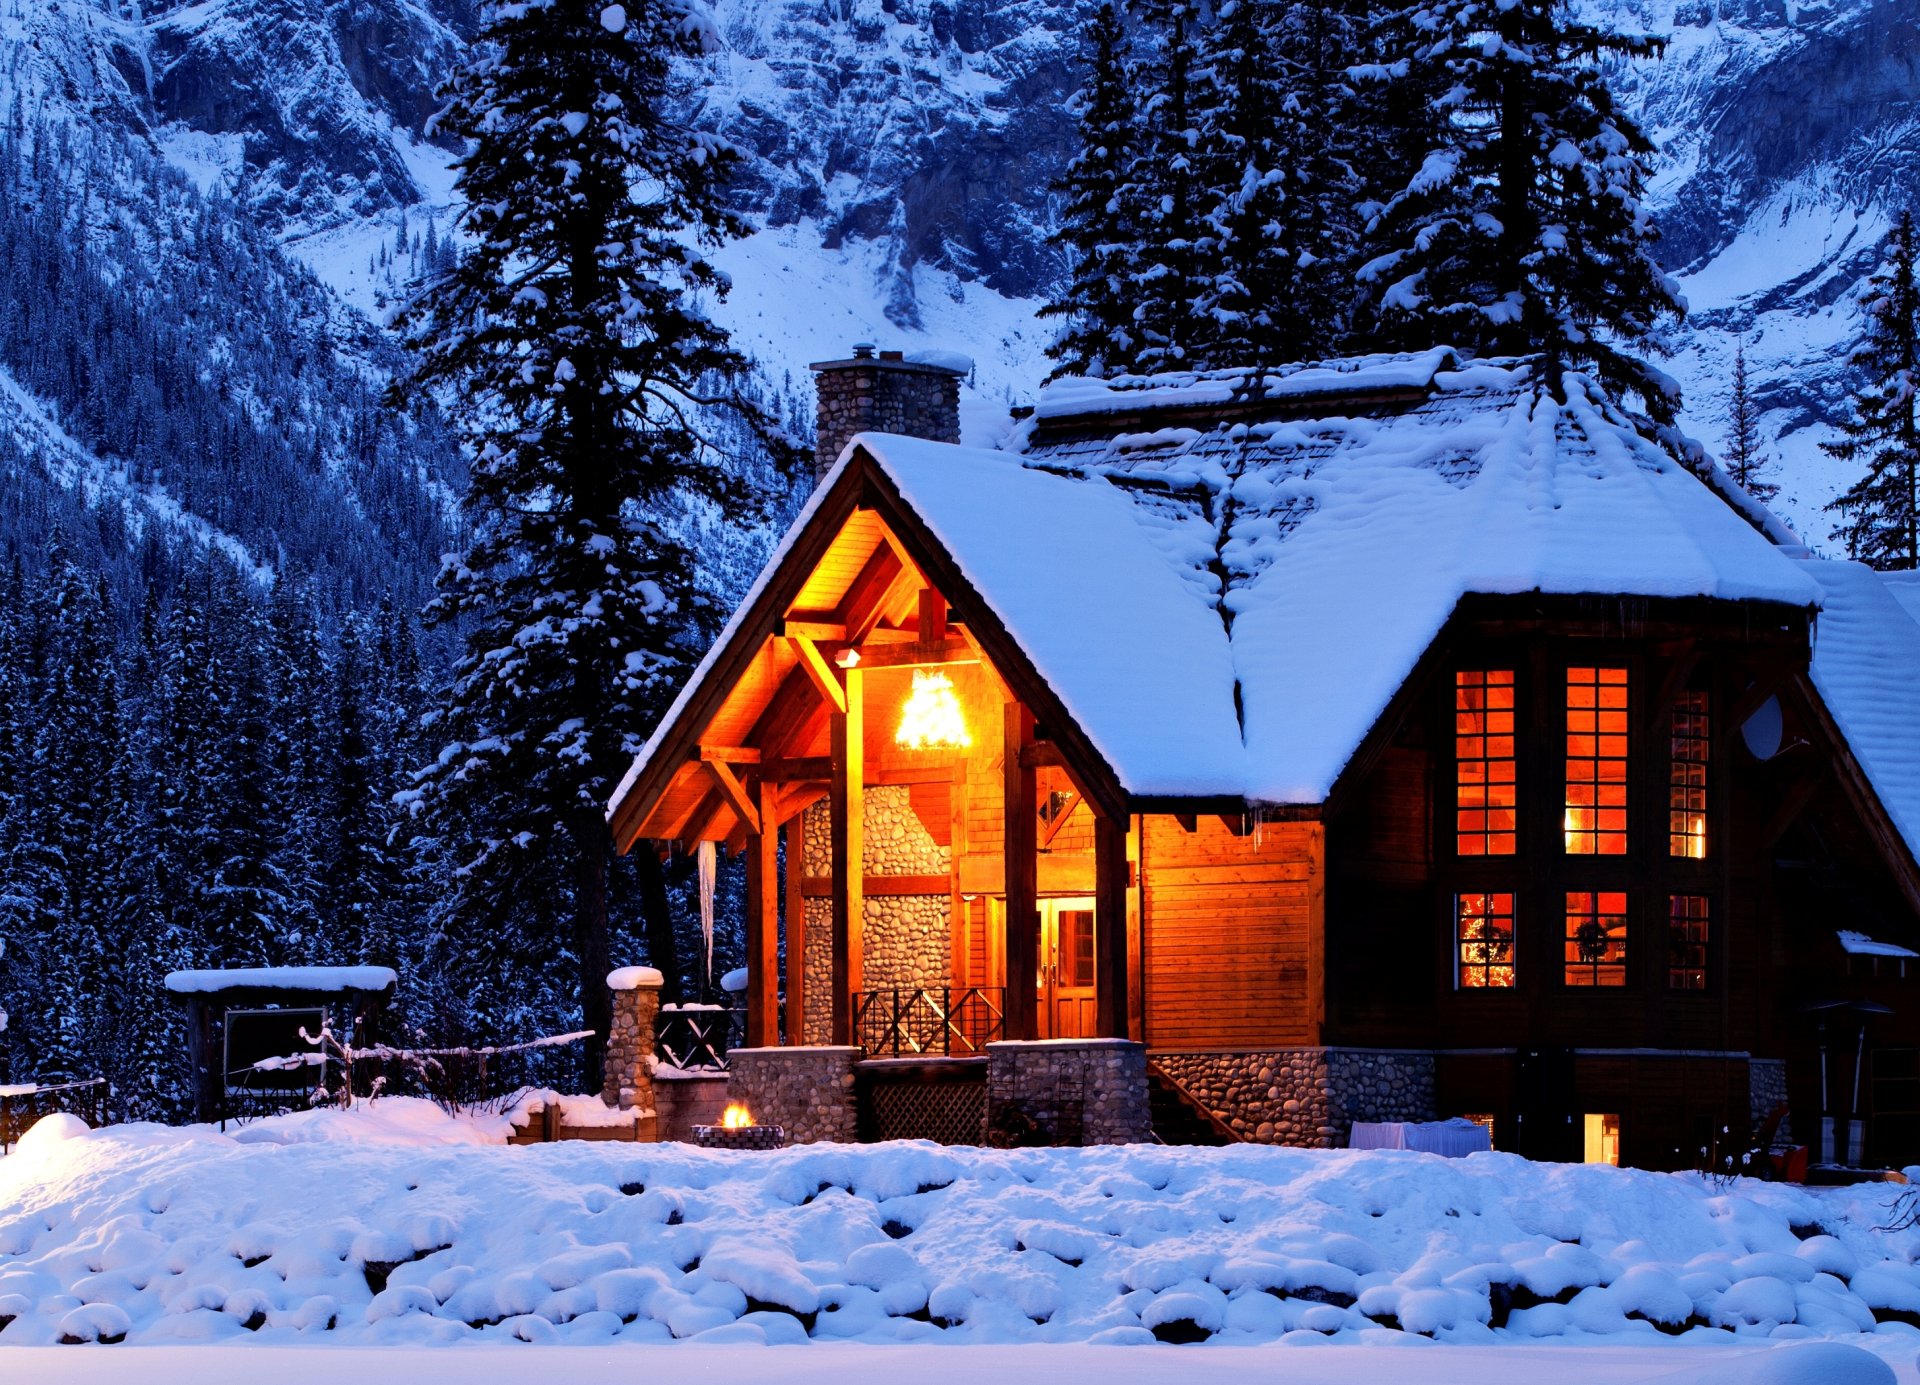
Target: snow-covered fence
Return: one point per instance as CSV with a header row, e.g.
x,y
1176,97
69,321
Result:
x,y
915,1022
23,1103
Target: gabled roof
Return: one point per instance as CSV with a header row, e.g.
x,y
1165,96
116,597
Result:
x,y
1224,578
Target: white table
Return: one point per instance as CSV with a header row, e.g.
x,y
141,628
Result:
x,y
1452,1138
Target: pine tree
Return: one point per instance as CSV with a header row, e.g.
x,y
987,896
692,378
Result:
x,y
570,333
1167,189
1881,511
1095,234
1524,230
1745,461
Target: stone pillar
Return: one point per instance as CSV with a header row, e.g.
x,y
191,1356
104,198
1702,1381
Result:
x,y
806,1090
882,394
1076,1091
628,1081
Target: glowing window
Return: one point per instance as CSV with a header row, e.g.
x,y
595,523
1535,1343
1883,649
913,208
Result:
x,y
1484,798
1596,820
1603,1137
1687,778
1483,933
1596,939
1687,942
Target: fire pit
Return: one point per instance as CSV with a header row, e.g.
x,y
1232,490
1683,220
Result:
x,y
737,1131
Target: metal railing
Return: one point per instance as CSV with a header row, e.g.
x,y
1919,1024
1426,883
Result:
x,y
929,1022
23,1103
697,1038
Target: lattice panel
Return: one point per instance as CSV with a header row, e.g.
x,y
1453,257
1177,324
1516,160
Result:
x,y
948,1113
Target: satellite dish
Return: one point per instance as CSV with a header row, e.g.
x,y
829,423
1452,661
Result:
x,y
1763,730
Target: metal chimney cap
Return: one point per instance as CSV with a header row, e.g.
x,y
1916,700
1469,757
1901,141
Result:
x,y
863,351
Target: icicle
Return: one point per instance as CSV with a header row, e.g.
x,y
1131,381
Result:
x,y
706,864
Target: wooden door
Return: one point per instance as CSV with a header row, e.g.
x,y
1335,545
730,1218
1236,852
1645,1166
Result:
x,y
1066,968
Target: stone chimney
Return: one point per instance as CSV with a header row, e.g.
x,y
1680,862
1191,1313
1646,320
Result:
x,y
882,392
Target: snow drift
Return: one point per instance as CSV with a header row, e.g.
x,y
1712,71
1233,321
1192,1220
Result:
x,y
393,1233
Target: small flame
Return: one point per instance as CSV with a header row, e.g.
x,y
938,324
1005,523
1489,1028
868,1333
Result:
x,y
932,719
736,1117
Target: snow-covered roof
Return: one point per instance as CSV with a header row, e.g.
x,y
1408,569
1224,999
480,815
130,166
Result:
x,y
1226,598
1866,667
1860,945
1327,550
282,979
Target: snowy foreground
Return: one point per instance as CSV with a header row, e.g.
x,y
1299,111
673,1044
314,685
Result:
x,y
393,1227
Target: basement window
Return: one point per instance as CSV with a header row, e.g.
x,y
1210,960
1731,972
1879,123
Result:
x,y
1483,933
1484,781
1596,938
1687,778
1596,818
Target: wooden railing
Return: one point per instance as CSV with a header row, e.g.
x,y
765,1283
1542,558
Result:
x,y
942,1022
697,1038
21,1104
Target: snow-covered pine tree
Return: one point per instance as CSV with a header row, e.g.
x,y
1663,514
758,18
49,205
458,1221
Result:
x,y
1167,192
1524,229
570,333
1881,511
1094,235
1277,119
1745,461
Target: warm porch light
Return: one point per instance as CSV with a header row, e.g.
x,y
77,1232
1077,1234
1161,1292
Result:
x,y
736,1117
932,719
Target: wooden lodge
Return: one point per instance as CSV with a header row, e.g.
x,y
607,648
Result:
x,y
1381,739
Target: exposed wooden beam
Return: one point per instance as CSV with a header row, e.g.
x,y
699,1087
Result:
x,y
797,798
952,650
763,926
1042,755
870,592
1059,820
701,820
729,754
847,794
820,631
825,681
789,718
1020,886
735,793
1110,1001
933,617
1684,660
802,769
821,886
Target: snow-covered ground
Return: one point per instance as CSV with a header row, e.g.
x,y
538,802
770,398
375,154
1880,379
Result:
x,y
394,1227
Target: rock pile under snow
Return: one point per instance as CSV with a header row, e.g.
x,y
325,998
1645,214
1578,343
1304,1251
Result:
x,y
386,1231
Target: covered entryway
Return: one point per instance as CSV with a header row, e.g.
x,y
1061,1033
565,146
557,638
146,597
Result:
x,y
1066,978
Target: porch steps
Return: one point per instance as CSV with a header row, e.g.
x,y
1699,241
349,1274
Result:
x,y
1179,1119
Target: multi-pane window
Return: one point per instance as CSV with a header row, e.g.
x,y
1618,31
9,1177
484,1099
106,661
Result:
x,y
1687,778
1596,820
1485,798
1687,942
1596,939
1483,933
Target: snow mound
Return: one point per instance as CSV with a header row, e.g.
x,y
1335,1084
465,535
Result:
x,y
379,1230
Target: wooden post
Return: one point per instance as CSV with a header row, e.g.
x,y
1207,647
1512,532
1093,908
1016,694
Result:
x,y
796,930
847,800
1110,1005
1022,888
763,923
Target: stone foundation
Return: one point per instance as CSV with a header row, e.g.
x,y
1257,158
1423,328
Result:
x,y
1306,1096
628,1075
808,1091
1767,1092
1069,1091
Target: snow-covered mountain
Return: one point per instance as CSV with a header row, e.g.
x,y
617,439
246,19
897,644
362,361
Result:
x,y
900,152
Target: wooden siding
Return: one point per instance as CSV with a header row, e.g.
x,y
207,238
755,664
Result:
x,y
1230,934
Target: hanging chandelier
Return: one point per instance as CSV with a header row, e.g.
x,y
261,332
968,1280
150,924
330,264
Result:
x,y
932,719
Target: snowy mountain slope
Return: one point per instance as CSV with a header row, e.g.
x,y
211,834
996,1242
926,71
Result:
x,y
899,154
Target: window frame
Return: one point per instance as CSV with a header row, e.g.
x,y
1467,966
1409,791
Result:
x,y
1485,834
1705,944
1597,911
1459,942
1599,782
